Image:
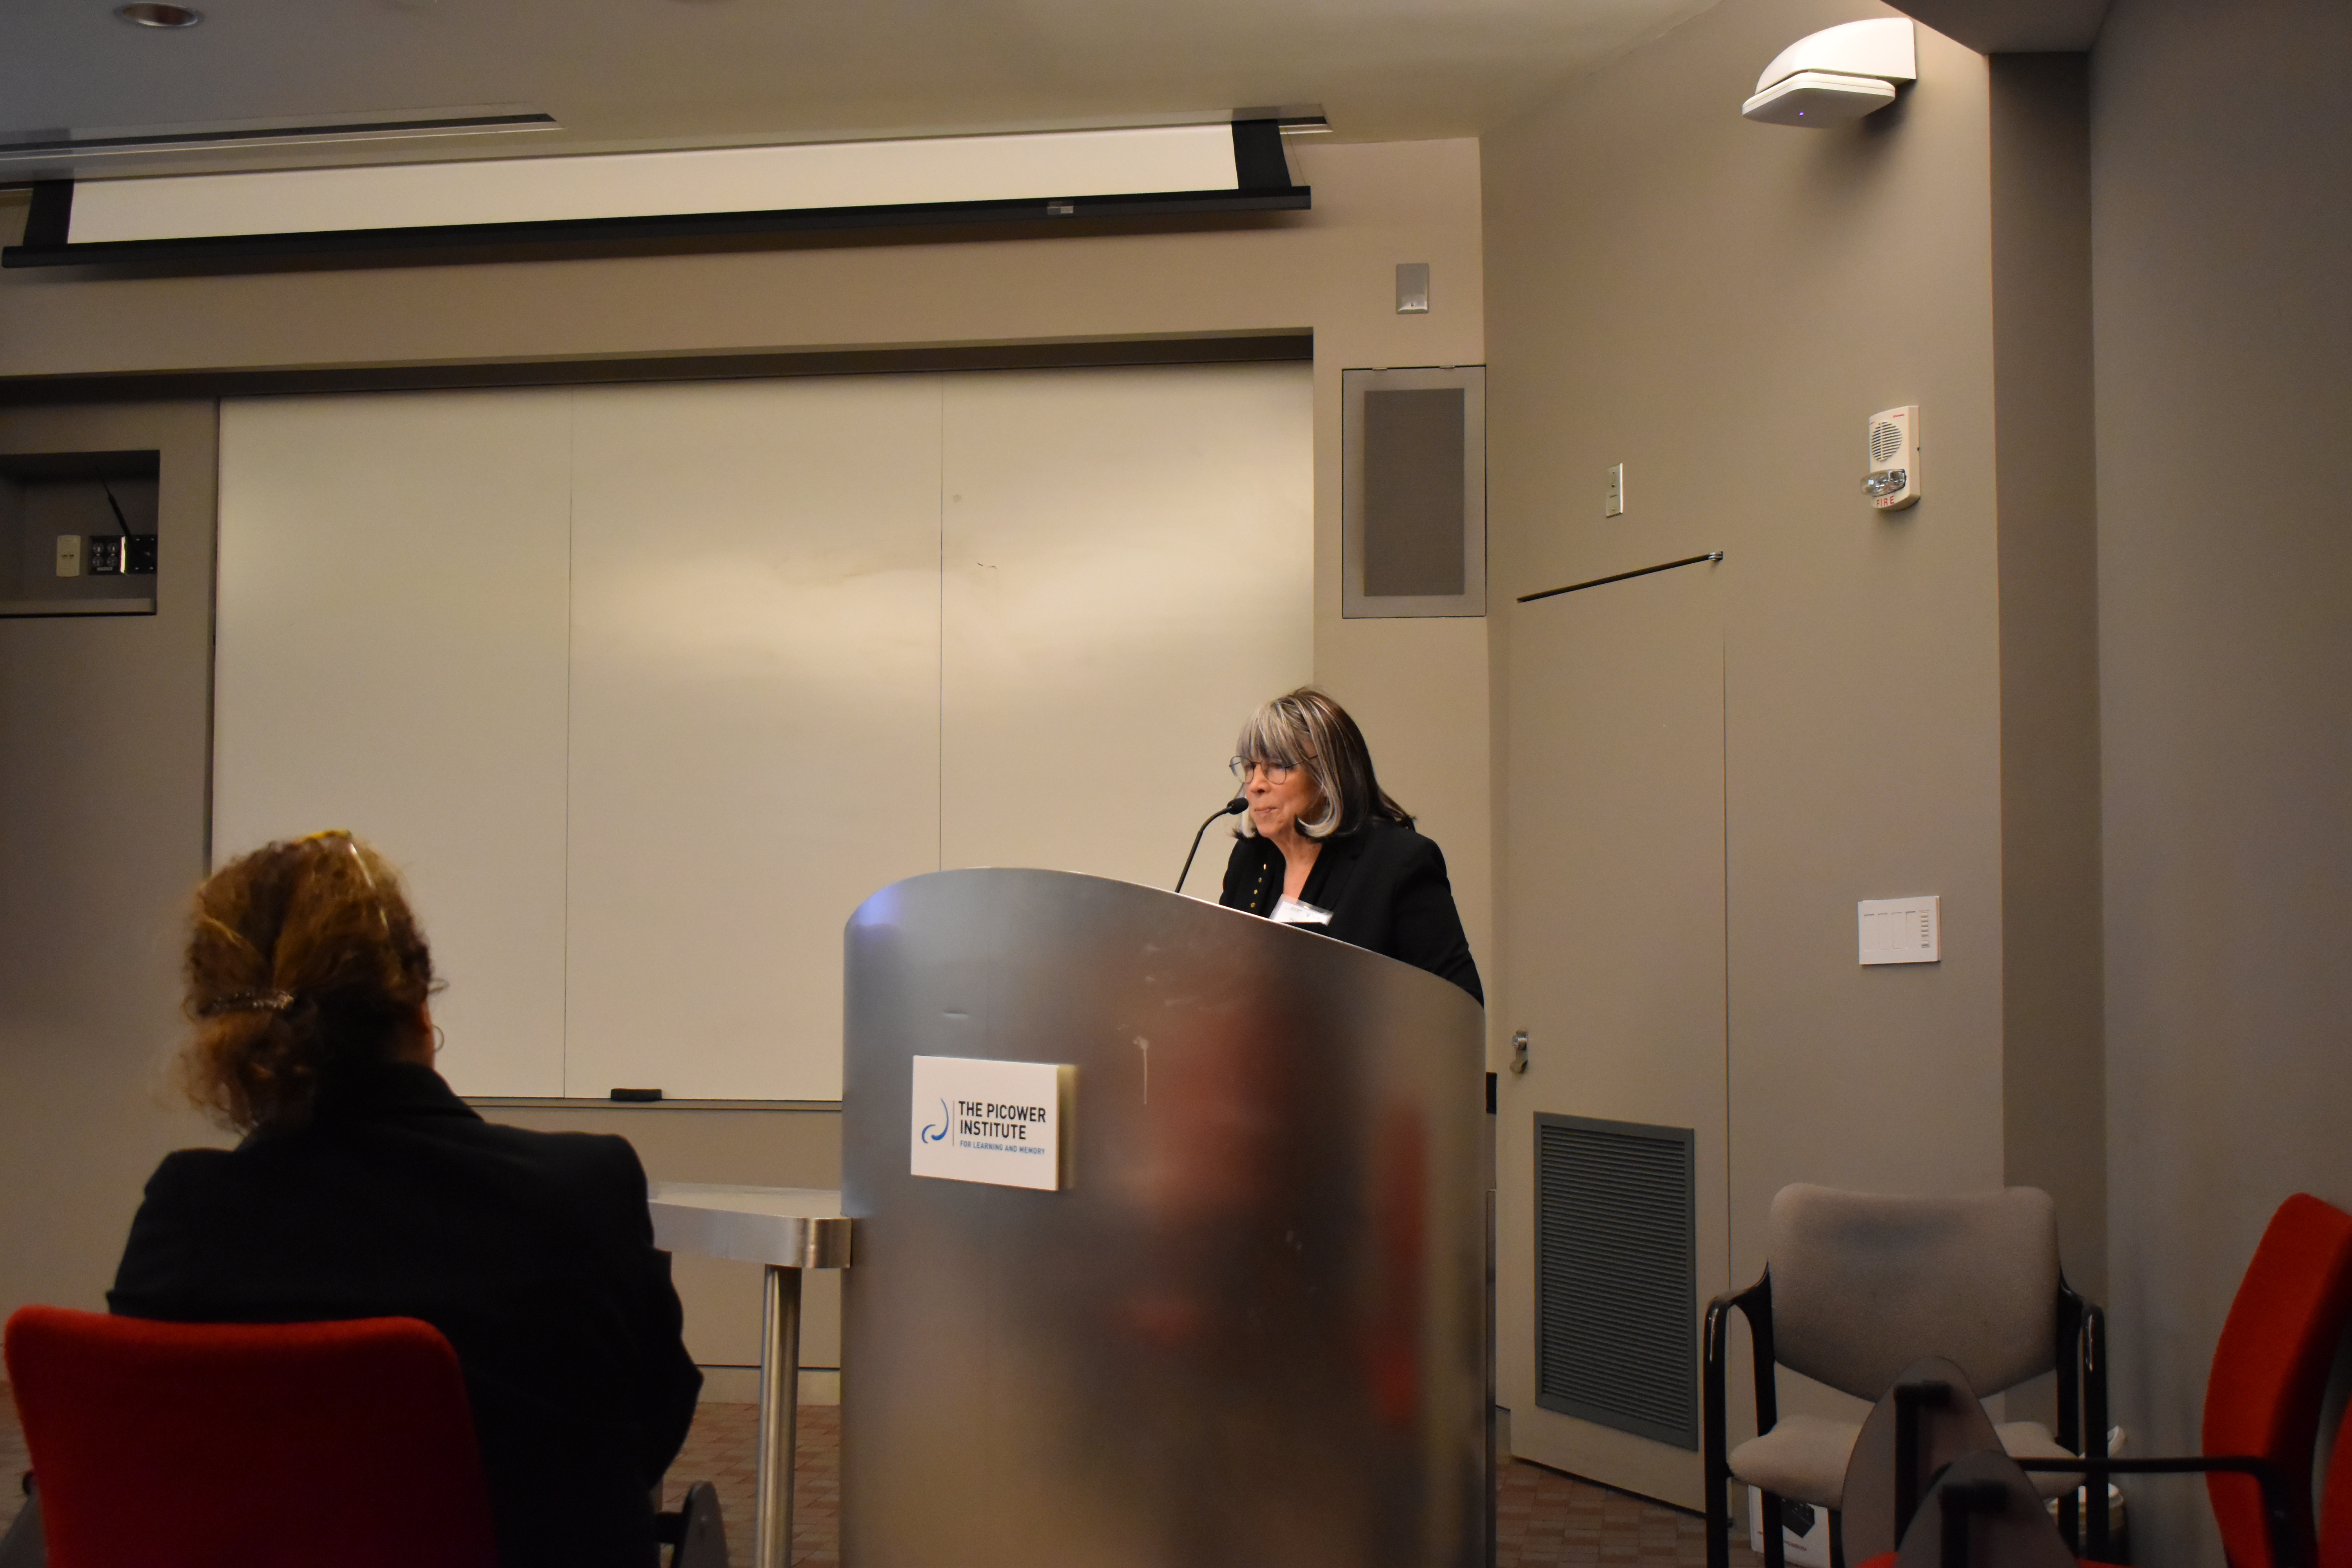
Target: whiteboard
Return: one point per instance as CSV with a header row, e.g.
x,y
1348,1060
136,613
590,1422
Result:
x,y
755,697
389,657
647,687
1129,571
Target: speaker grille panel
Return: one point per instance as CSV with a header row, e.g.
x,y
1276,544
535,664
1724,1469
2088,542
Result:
x,y
1617,1275
1413,491
1886,440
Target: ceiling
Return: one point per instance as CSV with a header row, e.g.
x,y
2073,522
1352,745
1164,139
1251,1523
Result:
x,y
2014,27
667,73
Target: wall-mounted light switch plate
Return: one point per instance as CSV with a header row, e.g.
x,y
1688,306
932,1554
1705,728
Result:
x,y
1412,288
1616,506
69,554
1901,930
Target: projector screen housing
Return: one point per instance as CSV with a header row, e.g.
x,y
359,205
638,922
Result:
x,y
364,211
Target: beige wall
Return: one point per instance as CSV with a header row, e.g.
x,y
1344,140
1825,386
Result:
x,y
1419,686
1719,306
2053,1067
104,747
2222,247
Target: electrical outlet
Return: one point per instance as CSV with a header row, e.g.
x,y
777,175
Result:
x,y
139,555
69,554
102,554
1616,506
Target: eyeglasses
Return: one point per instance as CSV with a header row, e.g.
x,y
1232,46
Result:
x,y
1275,772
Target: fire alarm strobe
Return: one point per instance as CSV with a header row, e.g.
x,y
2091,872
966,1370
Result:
x,y
1893,482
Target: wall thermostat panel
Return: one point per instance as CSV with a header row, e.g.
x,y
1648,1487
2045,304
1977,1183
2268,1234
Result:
x,y
1892,481
1902,931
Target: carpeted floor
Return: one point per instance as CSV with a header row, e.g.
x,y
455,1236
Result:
x,y
1541,1516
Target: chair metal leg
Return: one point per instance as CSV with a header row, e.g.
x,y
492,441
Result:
x,y
1910,1398
1961,1503
2095,1430
701,1533
780,1377
25,1546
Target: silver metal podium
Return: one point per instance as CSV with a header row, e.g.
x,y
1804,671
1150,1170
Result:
x,y
1248,1330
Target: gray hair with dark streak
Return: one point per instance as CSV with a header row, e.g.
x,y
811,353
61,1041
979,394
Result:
x,y
1306,729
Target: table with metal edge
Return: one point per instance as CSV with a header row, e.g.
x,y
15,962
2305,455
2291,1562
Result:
x,y
788,1229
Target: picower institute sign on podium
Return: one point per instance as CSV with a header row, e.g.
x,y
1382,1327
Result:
x,y
1003,1123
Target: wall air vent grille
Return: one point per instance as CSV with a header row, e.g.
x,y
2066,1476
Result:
x,y
1617,1275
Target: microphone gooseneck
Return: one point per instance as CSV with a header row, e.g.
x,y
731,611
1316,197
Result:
x,y
1233,808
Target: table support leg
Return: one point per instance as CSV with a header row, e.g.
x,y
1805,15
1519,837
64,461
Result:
x,y
780,1364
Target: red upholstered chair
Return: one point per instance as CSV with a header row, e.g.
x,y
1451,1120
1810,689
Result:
x,y
266,1446
2269,1369
2263,1397
2336,1505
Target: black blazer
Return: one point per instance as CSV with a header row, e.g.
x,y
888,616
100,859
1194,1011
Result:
x,y
1386,889
531,1251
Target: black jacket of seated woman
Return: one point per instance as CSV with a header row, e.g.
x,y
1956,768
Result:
x,y
1326,849
366,1188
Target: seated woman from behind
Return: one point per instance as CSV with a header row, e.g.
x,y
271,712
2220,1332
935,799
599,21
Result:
x,y
364,1188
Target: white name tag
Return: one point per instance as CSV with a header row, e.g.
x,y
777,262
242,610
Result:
x,y
1004,1123
1292,912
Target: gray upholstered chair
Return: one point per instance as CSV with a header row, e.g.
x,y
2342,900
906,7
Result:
x,y
1857,1286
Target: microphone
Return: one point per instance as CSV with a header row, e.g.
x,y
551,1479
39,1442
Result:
x,y
1233,808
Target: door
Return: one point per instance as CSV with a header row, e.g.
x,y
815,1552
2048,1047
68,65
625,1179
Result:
x,y
1612,893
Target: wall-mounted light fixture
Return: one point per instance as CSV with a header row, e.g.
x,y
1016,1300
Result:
x,y
1836,75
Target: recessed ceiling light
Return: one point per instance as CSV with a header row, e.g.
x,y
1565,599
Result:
x,y
148,15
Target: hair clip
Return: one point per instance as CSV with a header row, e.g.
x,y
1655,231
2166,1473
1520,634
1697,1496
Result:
x,y
249,1002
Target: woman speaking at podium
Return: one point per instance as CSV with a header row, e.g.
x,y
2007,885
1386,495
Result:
x,y
1323,846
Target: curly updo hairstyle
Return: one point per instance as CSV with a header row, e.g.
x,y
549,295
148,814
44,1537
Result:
x,y
304,958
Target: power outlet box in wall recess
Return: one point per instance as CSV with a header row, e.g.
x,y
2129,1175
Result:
x,y
66,548
119,554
